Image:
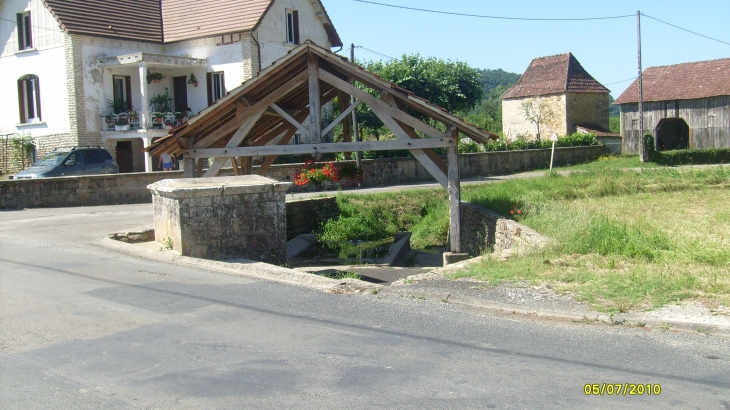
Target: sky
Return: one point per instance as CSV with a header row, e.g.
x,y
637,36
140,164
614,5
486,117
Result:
x,y
607,49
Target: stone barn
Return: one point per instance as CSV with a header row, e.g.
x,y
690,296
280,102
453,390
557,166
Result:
x,y
562,96
685,106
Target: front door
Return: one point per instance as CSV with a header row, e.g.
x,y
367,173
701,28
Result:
x,y
180,88
125,158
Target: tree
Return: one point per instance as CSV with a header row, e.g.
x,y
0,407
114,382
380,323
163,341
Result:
x,y
452,85
538,111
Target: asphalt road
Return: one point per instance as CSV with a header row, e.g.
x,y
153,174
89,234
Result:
x,y
83,327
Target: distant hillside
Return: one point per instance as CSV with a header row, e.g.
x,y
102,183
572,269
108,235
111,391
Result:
x,y
492,78
488,114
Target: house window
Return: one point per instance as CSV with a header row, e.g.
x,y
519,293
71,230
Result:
x,y
29,99
25,31
670,109
216,87
634,123
122,93
297,139
292,26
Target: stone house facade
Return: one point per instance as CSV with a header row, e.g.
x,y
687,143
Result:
x,y
562,91
684,106
71,60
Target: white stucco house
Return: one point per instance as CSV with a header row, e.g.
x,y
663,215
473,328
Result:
x,y
77,63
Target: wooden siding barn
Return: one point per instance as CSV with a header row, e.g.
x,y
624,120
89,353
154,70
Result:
x,y
685,106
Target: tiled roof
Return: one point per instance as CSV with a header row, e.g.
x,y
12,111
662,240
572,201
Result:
x,y
685,81
555,75
184,19
124,19
167,21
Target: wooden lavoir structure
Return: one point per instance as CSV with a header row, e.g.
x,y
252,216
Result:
x,y
276,102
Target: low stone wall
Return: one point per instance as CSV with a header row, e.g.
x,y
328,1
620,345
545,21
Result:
x,y
132,188
306,215
483,230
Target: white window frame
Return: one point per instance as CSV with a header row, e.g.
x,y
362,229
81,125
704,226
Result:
x,y
291,33
25,31
218,87
31,98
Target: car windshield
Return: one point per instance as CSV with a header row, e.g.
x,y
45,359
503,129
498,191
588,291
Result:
x,y
54,158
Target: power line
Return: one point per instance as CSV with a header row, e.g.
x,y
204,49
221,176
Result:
x,y
616,82
683,29
375,52
494,17
33,25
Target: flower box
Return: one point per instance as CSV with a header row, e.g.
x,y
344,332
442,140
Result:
x,y
121,127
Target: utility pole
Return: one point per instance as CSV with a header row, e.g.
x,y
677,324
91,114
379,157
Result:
x,y
355,131
642,145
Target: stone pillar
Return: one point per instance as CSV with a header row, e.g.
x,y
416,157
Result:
x,y
222,218
144,109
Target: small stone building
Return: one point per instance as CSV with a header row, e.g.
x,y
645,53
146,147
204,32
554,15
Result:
x,y
685,106
562,94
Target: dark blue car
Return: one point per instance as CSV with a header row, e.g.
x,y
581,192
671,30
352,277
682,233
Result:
x,y
71,162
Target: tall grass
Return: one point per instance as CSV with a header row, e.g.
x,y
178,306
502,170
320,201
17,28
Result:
x,y
623,240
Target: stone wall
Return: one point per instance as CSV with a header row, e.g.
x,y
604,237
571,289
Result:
x,y
586,108
132,188
306,215
483,230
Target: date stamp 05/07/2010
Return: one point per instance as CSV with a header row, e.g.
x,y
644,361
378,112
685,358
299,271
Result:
x,y
622,389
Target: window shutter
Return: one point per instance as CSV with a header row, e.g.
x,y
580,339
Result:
x,y
209,82
29,93
224,92
28,32
128,90
20,30
21,101
38,98
296,26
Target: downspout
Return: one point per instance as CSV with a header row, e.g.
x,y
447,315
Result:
x,y
258,48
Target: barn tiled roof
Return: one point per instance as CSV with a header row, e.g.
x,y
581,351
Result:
x,y
167,21
685,81
554,75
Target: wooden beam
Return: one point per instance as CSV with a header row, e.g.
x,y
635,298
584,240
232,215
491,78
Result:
x,y
252,111
189,163
388,97
454,190
250,151
315,109
235,140
343,100
341,117
384,107
234,164
421,156
199,164
271,158
291,120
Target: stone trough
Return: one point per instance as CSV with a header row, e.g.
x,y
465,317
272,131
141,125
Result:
x,y
223,217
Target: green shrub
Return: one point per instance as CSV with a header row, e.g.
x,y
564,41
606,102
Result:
x,y
686,156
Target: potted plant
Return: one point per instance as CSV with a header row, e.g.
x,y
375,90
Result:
x,y
159,117
153,77
162,102
168,124
133,116
117,105
121,124
192,80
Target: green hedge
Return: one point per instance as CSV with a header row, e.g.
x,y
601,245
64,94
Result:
x,y
686,156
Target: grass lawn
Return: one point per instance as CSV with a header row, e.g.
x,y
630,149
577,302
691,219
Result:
x,y
624,240
611,161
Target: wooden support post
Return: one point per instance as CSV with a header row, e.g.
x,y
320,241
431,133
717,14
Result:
x,y
246,165
454,190
343,100
189,163
234,163
315,108
199,164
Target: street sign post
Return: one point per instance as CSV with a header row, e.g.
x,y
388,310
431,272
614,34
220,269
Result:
x,y
554,139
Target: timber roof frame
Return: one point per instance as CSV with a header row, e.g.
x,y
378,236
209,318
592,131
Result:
x,y
284,85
